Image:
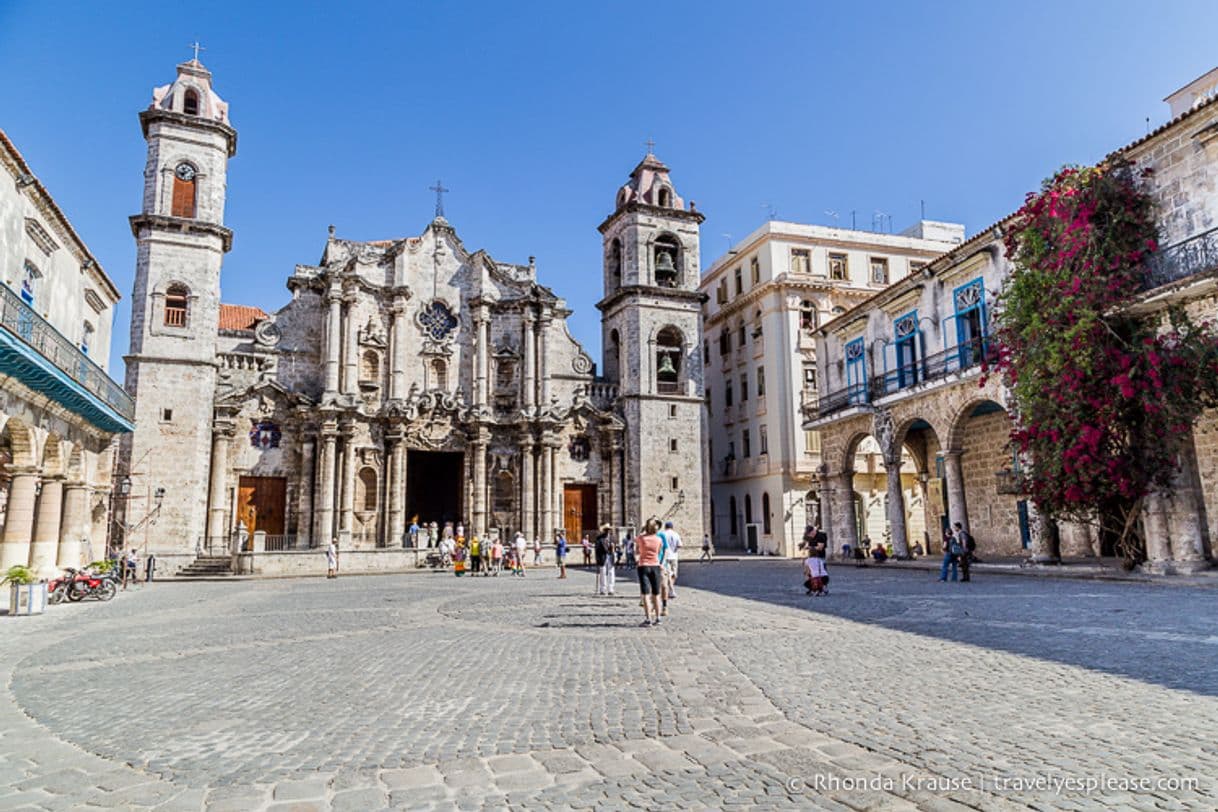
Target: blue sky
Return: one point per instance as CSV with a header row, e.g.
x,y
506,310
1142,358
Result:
x,y
533,113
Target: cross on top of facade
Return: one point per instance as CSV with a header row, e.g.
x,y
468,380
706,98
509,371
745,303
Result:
x,y
651,145
439,190
197,47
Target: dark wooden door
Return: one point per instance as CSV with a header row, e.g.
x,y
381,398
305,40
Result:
x,y
261,503
579,511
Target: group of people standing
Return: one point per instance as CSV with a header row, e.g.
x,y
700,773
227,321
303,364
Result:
x,y
488,556
959,552
657,552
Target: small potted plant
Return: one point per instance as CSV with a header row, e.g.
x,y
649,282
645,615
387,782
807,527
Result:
x,y
27,594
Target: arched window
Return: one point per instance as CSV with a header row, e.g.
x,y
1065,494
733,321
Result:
x,y
665,197
86,337
613,358
748,508
177,306
184,177
765,513
370,367
367,484
667,261
615,262
439,374
190,103
669,348
732,516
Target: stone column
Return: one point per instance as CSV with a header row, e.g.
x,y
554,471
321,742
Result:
x,y
324,489
45,543
394,489
333,301
304,499
553,502
527,493
72,530
614,449
217,504
1156,527
483,359
1184,516
350,345
529,360
397,378
346,525
543,362
19,518
957,509
896,508
1042,537
477,452
545,529
842,513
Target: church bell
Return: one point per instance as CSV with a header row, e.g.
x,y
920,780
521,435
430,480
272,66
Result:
x,y
666,366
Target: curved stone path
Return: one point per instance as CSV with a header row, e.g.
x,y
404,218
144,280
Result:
x,y
427,691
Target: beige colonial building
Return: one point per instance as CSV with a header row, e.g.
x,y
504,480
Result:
x,y
765,299
904,371
59,409
406,380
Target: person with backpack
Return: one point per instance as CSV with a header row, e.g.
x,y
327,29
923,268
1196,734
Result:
x,y
951,556
967,546
604,561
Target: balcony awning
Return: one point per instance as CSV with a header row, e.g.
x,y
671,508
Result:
x,y
21,361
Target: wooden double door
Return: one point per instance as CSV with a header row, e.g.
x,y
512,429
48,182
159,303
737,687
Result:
x,y
262,504
579,511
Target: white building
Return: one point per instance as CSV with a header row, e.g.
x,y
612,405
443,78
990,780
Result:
x,y
59,409
766,296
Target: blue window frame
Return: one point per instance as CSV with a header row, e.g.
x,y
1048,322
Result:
x,y
971,328
856,371
906,339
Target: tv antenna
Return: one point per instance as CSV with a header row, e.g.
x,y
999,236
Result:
x,y
833,214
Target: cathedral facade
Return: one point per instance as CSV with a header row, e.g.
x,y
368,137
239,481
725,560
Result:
x,y
406,379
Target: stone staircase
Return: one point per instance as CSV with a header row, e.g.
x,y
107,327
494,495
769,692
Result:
x,y
208,566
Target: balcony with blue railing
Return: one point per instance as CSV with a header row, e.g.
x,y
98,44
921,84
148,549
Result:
x,y
930,369
44,360
1192,257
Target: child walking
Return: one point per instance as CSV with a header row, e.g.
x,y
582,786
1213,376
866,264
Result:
x,y
816,580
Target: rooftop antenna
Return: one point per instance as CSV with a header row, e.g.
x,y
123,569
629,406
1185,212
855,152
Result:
x,y
853,224
923,202
832,214
770,210
728,237
1148,125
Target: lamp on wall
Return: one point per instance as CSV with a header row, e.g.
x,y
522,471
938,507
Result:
x,y
124,487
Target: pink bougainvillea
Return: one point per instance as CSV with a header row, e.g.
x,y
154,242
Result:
x,y
1098,393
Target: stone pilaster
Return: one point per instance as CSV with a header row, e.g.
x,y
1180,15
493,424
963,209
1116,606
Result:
x,y
45,543
222,432
477,452
957,509
19,518
543,497
397,376
350,345
530,360
304,497
396,487
72,529
346,524
333,303
527,492
482,325
324,489
543,361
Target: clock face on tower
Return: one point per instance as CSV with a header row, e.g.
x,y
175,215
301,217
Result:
x,y
185,172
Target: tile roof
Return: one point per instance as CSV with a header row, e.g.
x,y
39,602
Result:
x,y
240,317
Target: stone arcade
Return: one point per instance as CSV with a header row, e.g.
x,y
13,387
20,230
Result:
x,y
406,378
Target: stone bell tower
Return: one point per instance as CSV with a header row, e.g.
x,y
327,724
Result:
x,y
180,244
651,334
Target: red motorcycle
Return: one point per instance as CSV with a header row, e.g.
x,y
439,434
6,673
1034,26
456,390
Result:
x,y
83,585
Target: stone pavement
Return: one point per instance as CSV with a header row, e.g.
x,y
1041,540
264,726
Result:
x,y
432,692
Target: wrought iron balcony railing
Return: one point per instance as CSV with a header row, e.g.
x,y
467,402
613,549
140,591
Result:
x,y
925,370
20,319
1190,257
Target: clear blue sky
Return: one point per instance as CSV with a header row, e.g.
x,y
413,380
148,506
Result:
x,y
534,113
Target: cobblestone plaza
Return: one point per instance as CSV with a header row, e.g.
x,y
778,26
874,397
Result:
x,y
430,692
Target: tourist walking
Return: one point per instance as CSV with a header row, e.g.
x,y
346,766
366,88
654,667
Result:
x,y
648,547
629,553
536,550
475,555
131,567
414,532
672,555
706,548
951,557
560,553
521,545
967,547
332,559
587,548
605,573
497,557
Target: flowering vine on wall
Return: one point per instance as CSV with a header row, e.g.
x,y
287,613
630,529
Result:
x,y
1099,394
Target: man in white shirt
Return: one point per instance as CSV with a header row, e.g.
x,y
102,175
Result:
x,y
521,546
671,554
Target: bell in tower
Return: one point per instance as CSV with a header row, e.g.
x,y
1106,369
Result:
x,y
666,272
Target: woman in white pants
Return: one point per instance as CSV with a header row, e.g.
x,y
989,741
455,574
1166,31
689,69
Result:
x,y
604,561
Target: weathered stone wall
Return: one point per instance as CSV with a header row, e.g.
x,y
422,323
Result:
x,y
993,517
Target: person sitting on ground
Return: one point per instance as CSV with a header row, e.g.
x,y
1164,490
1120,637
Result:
x,y
879,554
916,550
